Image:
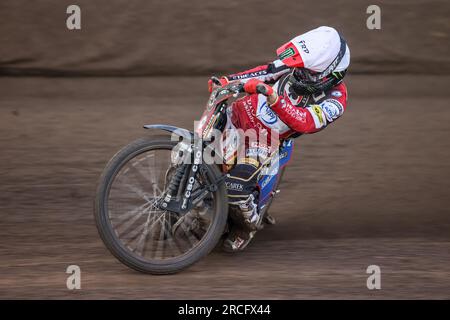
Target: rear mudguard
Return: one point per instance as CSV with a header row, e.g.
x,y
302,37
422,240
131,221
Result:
x,y
186,134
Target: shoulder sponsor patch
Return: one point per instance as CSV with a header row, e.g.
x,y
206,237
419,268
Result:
x,y
332,109
336,94
317,114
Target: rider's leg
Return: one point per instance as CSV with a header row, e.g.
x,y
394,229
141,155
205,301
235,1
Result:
x,y
242,193
243,201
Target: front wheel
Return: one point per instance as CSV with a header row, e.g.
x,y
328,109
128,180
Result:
x,y
139,233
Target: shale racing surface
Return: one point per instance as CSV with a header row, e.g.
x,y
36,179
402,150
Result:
x,y
370,190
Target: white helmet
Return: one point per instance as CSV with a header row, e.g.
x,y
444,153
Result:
x,y
319,57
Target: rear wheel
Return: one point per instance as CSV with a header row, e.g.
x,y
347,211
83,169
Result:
x,y
136,230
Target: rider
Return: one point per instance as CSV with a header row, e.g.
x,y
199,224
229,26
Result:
x,y
306,95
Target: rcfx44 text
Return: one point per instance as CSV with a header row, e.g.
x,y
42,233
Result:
x,y
226,309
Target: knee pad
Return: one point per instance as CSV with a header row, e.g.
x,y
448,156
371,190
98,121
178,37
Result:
x,y
241,182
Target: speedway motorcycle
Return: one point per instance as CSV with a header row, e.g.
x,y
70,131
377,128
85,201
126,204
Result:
x,y
159,208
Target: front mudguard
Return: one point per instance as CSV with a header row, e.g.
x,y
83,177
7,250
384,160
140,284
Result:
x,y
180,132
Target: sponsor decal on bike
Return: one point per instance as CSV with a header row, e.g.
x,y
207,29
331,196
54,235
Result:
x,y
191,181
266,181
270,171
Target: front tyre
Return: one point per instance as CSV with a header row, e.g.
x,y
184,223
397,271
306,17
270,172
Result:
x,y
135,230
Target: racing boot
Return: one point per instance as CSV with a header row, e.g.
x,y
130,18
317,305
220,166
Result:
x,y
245,213
237,239
246,221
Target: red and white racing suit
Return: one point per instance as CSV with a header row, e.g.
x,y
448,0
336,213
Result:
x,y
289,115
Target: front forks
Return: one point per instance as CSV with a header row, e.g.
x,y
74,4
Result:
x,y
174,184
180,196
170,201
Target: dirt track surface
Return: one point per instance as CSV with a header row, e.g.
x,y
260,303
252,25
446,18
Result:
x,y
371,189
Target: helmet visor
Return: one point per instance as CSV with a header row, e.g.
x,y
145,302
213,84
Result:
x,y
306,76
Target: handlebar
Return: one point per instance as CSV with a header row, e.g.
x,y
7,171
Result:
x,y
261,89
240,88
216,81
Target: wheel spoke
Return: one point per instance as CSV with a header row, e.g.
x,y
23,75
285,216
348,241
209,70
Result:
x,y
152,175
122,218
139,224
189,235
130,222
170,241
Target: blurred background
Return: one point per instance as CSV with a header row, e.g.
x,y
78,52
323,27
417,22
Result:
x,y
173,37
373,188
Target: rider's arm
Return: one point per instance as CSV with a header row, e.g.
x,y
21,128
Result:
x,y
266,73
315,117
